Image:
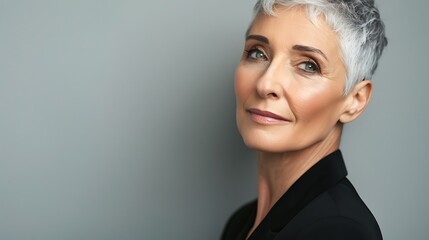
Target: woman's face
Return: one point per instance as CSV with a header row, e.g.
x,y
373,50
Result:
x,y
289,83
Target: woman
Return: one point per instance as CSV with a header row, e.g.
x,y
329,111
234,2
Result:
x,y
305,72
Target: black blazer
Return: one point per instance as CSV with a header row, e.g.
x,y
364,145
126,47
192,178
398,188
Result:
x,y
321,204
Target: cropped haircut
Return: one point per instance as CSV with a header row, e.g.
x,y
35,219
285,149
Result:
x,y
359,28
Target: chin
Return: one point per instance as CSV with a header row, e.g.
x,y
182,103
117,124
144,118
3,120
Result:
x,y
267,143
276,142
263,140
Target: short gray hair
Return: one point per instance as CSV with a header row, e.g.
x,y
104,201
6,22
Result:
x,y
358,25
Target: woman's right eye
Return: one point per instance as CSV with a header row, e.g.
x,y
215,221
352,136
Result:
x,y
256,54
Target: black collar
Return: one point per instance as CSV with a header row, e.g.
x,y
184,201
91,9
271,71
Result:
x,y
319,178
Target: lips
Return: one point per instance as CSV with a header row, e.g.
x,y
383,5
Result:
x,y
265,116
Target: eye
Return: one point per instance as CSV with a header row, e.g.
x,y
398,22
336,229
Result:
x,y
255,54
309,66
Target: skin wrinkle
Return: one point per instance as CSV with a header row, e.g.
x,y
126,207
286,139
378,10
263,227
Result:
x,y
361,31
258,38
274,68
309,49
313,103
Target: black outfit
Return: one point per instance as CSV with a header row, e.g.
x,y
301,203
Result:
x,y
321,204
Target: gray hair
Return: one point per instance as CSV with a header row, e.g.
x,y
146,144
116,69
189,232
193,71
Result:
x,y
358,25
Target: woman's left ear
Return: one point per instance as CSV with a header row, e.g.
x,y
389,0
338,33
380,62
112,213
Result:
x,y
356,101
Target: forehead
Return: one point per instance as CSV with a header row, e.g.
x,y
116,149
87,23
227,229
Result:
x,y
293,26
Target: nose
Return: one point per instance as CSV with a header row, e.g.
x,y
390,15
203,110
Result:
x,y
269,85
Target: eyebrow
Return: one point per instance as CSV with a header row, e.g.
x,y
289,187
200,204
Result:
x,y
295,47
309,49
258,38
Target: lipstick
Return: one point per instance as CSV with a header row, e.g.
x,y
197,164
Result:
x,y
265,117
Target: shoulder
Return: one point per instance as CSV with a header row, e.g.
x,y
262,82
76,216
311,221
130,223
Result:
x,y
239,221
338,213
337,228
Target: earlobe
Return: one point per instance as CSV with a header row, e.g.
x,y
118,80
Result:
x,y
357,101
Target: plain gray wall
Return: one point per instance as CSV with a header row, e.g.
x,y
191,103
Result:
x,y
117,121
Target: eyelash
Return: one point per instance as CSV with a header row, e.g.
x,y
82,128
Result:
x,y
315,65
253,50
249,52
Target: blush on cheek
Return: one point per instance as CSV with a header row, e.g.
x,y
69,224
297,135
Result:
x,y
314,104
237,82
243,85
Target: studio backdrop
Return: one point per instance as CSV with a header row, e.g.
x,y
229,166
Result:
x,y
117,121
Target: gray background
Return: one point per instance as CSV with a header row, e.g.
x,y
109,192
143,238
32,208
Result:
x,y
117,121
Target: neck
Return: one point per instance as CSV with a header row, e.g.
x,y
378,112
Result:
x,y
277,172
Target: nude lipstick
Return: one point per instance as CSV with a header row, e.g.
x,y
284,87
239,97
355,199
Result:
x,y
265,117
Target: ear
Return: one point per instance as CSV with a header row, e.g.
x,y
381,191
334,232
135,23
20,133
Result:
x,y
357,100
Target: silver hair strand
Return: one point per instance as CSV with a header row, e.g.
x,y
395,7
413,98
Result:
x,y
358,25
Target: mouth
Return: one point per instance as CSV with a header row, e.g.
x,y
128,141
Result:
x,y
265,117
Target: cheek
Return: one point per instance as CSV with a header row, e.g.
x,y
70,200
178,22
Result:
x,y
243,85
243,91
317,104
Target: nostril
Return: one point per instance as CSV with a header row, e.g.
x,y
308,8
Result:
x,y
272,95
